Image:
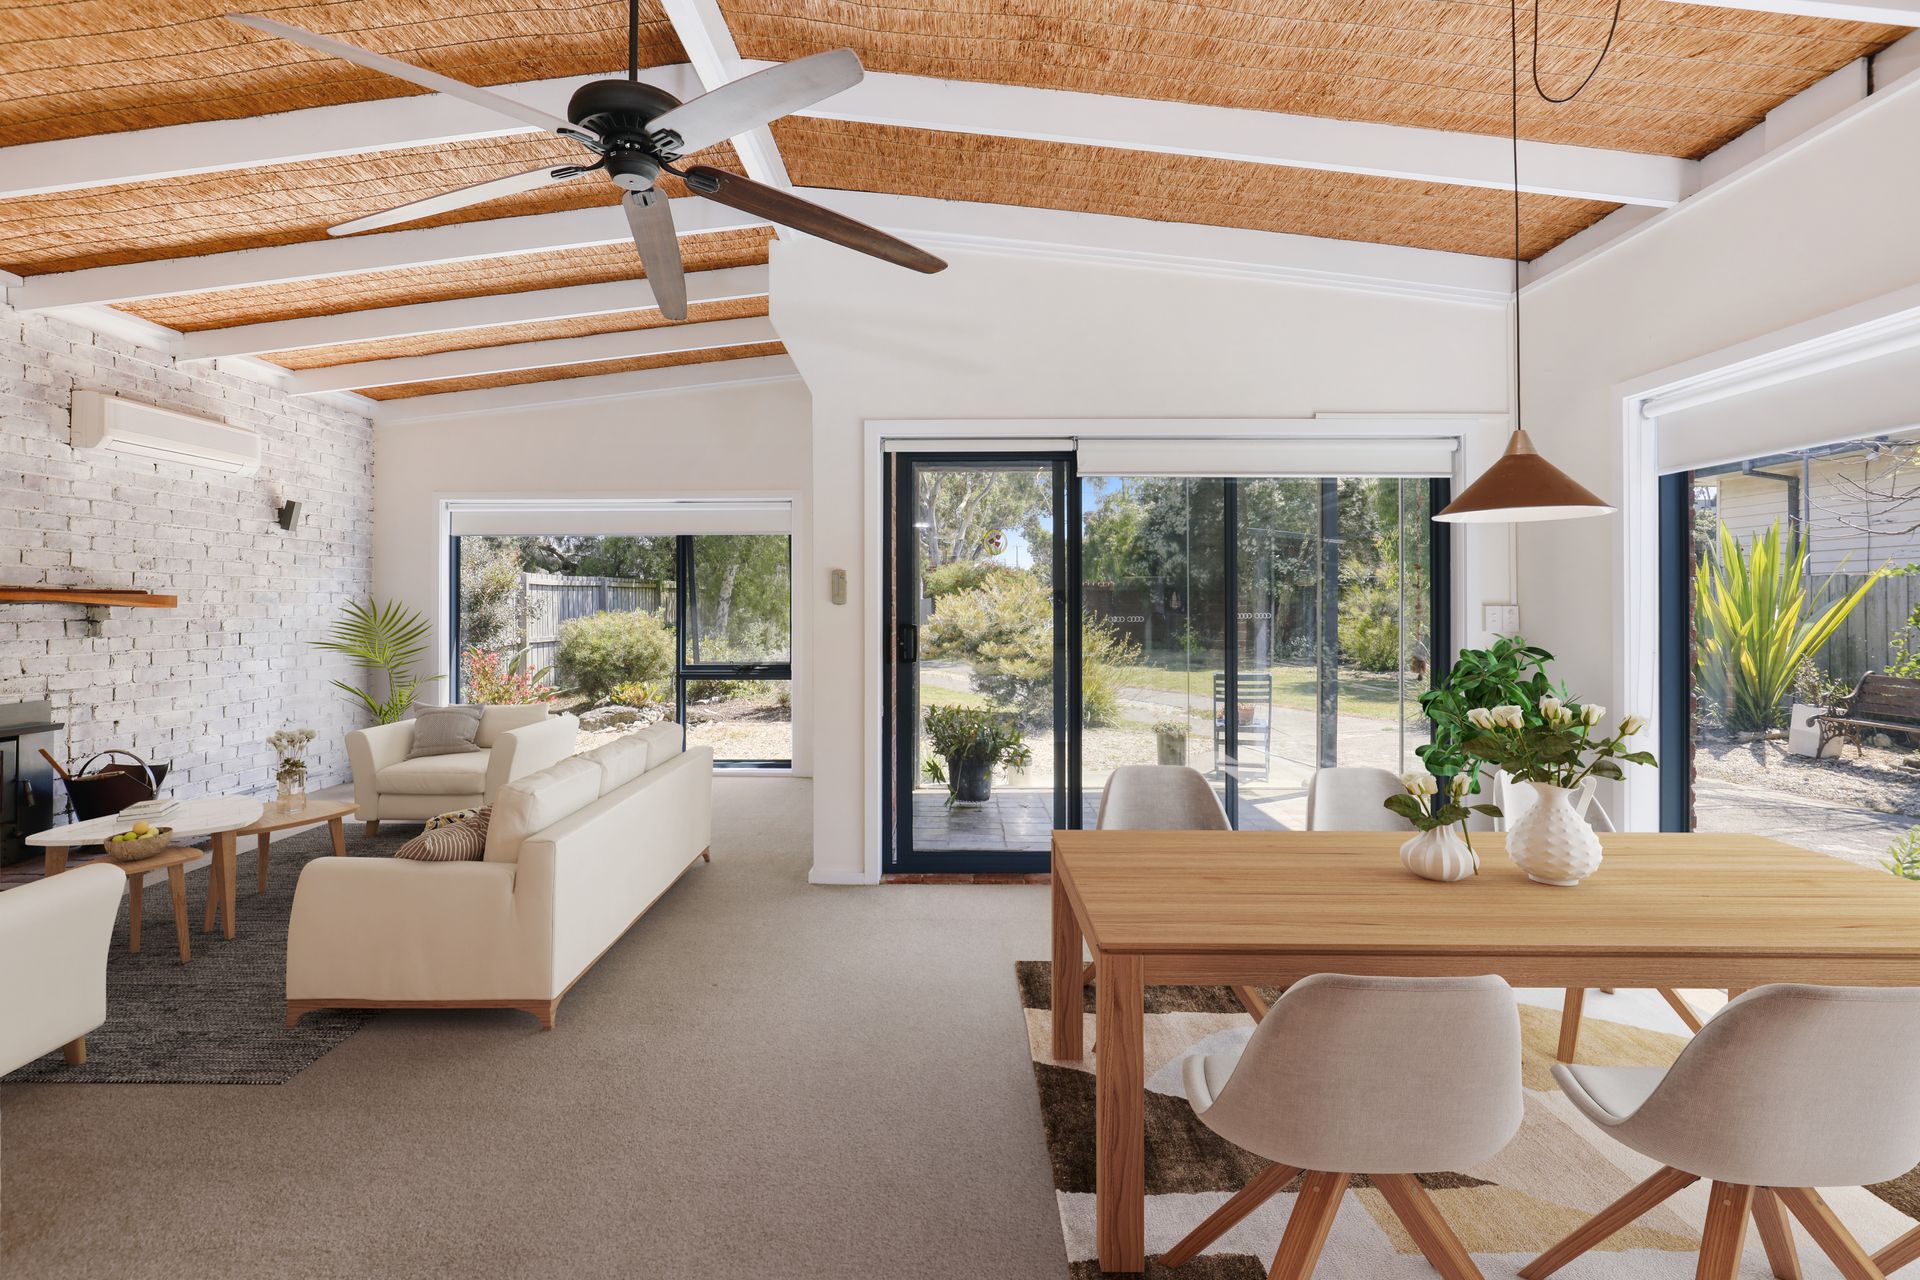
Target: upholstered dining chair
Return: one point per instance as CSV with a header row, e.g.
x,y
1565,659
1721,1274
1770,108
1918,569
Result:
x,y
1330,1085
1576,997
1353,798
1787,1089
1165,797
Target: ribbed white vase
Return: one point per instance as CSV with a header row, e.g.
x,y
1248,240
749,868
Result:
x,y
1549,841
1440,854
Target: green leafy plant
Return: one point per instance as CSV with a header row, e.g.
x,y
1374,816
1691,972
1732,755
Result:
x,y
1416,804
963,736
1510,672
600,652
1560,749
1370,629
637,693
1903,856
1814,687
1754,626
388,638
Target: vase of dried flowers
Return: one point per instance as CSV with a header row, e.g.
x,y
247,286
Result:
x,y
290,745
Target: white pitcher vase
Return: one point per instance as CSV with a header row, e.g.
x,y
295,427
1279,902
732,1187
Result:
x,y
1549,841
1440,854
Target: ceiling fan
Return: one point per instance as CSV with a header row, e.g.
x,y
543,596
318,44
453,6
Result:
x,y
638,132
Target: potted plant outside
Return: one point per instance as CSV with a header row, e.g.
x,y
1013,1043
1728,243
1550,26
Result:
x,y
968,744
1170,741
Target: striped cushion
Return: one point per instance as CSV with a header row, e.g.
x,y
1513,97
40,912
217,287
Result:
x,y
462,841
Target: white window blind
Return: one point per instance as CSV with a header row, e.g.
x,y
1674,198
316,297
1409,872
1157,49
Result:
x,y
1178,456
633,518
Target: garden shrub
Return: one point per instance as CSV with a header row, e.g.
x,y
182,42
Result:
x,y
601,651
1370,628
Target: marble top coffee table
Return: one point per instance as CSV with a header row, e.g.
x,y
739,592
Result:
x,y
216,816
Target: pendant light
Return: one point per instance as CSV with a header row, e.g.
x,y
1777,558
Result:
x,y
1523,485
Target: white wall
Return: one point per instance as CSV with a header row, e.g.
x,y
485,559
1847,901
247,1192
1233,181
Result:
x,y
999,337
1824,225
739,441
199,686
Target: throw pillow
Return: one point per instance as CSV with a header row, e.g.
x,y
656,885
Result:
x,y
449,818
462,841
444,731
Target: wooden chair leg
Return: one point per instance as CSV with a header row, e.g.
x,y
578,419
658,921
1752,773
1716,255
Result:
x,y
1776,1234
1421,1217
1252,1001
1725,1232
1570,1023
1829,1233
1681,1007
1899,1253
1635,1204
1250,1197
136,894
1308,1227
74,1051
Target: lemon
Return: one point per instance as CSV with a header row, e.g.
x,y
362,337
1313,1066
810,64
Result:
x,y
142,829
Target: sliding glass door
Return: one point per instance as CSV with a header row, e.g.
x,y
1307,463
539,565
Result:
x,y
1252,628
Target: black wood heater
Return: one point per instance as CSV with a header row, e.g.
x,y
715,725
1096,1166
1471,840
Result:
x,y
26,779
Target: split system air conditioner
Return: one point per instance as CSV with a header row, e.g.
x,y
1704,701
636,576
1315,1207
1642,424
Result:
x,y
102,421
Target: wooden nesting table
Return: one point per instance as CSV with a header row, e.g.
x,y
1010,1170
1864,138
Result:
x,y
1268,908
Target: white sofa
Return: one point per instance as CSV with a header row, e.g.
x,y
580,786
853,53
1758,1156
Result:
x,y
575,854
54,935
513,742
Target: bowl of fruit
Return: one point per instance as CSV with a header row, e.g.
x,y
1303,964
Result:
x,y
143,841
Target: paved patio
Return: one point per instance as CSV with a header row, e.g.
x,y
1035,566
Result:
x,y
1021,819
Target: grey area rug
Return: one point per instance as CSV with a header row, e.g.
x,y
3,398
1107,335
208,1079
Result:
x,y
220,1018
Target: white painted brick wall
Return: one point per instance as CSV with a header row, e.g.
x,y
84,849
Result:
x,y
202,685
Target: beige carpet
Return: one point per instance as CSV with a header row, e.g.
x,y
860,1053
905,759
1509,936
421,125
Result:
x,y
1555,1173
762,1079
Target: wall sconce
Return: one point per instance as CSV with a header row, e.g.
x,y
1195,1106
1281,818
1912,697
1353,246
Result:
x,y
288,513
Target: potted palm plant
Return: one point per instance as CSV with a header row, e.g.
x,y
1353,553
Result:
x,y
968,744
388,638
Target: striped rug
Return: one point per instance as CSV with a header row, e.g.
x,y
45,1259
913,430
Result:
x,y
1557,1172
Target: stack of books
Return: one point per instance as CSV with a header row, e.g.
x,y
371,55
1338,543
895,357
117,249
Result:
x,y
155,810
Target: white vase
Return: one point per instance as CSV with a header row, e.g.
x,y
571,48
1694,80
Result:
x,y
1550,841
1440,854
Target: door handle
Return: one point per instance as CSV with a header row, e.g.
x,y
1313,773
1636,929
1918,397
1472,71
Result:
x,y
907,646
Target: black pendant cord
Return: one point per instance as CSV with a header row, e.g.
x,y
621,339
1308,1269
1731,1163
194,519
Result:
x,y
1514,93
633,41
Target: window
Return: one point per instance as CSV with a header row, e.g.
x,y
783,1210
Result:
x,y
692,627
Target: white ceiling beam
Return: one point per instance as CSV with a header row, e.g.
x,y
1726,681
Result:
x,y
518,356
1259,137
1898,13
606,386
703,33
1179,246
214,146
377,251
532,307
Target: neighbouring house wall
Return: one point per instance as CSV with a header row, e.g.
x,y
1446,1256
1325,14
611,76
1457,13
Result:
x,y
202,685
744,441
1820,227
997,337
1846,533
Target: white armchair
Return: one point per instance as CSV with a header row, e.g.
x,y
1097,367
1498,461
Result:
x,y
54,935
513,742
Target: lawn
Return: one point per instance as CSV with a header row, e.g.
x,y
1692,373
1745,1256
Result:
x,y
1374,694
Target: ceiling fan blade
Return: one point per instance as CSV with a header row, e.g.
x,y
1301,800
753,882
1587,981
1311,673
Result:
x,y
417,75
790,210
751,101
458,198
653,236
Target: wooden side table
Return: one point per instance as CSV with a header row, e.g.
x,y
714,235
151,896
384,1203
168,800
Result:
x,y
174,862
332,812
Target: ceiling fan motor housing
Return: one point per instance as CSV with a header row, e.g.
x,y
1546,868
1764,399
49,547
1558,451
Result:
x,y
620,111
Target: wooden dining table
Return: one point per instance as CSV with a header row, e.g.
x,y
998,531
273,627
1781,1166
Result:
x,y
1263,909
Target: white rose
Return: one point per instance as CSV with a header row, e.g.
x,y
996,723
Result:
x,y
1632,725
1509,717
1458,784
1420,784
1549,708
1560,717
1480,718
1592,713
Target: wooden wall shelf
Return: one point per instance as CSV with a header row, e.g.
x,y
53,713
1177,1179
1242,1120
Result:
x,y
109,597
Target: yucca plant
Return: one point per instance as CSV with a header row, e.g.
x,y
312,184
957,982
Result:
x,y
388,638
1754,626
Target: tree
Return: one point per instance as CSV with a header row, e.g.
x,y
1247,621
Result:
x,y
490,593
743,597
962,508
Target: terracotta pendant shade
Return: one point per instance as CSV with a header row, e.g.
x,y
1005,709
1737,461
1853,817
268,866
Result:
x,y
1522,485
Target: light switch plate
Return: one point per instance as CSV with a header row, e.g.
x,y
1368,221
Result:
x,y
1500,619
